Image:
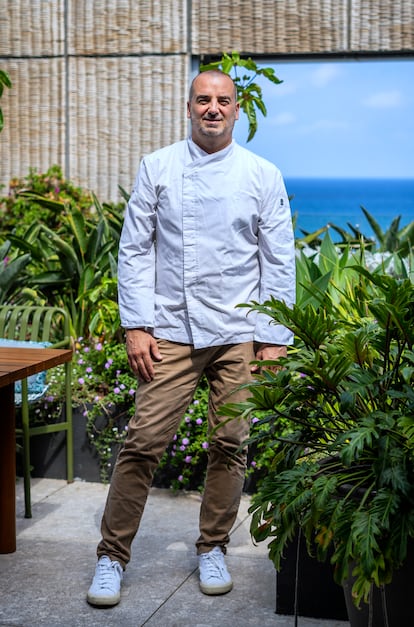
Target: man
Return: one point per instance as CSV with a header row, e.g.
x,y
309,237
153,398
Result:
x,y
207,227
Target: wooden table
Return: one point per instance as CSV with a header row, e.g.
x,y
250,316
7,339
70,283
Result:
x,y
16,364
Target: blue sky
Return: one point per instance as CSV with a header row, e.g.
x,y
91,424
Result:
x,y
338,119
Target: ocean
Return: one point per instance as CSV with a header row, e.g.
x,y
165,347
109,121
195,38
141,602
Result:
x,y
317,202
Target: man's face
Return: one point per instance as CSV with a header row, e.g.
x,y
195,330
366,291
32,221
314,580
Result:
x,y
213,111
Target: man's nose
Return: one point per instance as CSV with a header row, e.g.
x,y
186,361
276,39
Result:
x,y
213,106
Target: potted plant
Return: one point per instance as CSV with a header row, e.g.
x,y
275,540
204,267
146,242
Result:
x,y
342,468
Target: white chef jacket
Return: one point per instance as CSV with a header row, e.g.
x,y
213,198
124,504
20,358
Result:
x,y
203,233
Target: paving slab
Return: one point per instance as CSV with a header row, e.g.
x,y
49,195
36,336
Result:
x,y
44,583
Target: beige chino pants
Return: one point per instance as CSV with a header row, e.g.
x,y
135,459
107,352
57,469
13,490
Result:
x,y
160,406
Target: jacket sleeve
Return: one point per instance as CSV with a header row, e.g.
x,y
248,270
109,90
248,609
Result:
x,y
276,257
136,258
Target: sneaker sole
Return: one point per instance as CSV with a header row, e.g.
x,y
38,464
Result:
x,y
214,590
103,601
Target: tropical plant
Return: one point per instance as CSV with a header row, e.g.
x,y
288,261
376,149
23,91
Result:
x,y
399,242
330,267
70,262
4,82
249,92
102,303
11,273
342,471
394,239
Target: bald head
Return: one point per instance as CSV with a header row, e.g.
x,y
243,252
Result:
x,y
212,73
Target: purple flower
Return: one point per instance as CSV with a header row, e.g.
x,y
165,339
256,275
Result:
x,y
122,386
180,478
185,441
253,464
80,361
255,420
88,369
196,402
199,421
131,392
187,419
187,459
98,347
81,381
108,363
204,445
116,390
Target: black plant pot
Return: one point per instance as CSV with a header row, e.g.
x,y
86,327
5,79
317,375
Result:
x,y
311,583
390,606
48,453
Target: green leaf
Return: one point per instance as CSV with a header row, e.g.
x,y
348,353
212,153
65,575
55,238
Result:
x,y
5,79
56,205
373,224
249,92
62,247
125,195
10,272
87,279
49,279
77,224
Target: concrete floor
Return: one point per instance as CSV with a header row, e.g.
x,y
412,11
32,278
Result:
x,y
44,583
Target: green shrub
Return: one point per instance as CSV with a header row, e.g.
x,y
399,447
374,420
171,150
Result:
x,y
19,211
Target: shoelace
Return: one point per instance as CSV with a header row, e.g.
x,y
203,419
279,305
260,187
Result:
x,y
213,565
106,574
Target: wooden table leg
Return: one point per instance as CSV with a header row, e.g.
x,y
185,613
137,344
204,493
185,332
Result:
x,y
7,470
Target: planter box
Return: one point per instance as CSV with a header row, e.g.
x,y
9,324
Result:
x,y
318,596
391,607
48,453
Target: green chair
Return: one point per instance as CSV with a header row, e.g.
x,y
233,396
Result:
x,y
37,327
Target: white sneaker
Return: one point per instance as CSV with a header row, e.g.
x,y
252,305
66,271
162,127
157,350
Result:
x,y
214,576
106,584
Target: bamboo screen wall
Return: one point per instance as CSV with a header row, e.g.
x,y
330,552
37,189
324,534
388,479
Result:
x,y
99,83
